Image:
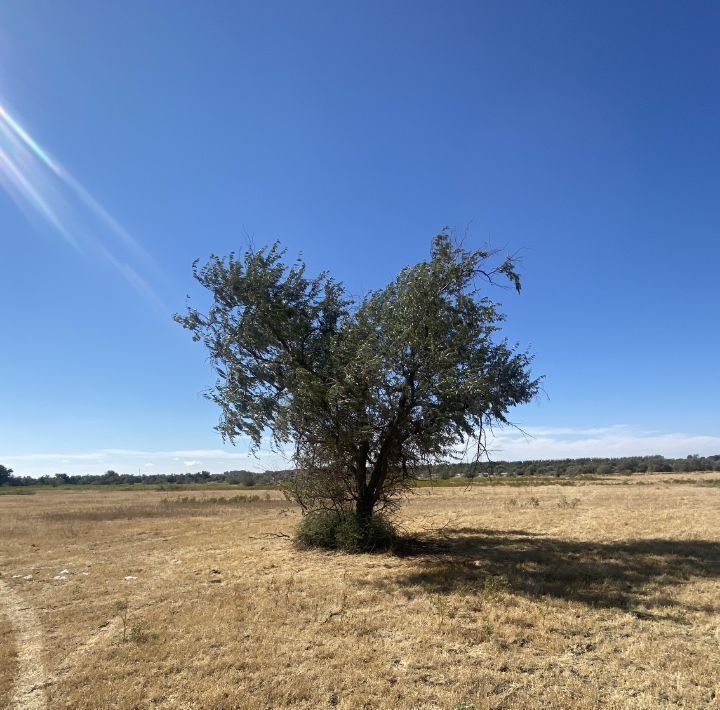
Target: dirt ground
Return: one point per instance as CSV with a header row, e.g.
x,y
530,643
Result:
x,y
603,594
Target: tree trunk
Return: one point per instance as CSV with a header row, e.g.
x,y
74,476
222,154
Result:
x,y
364,509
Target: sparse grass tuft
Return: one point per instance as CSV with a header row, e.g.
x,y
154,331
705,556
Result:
x,y
494,588
529,502
199,502
121,607
708,482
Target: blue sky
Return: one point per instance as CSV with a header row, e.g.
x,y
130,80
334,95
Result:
x,y
583,135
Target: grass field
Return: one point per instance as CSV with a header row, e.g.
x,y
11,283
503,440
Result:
x,y
605,593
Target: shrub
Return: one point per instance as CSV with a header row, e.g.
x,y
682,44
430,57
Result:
x,y
138,632
343,530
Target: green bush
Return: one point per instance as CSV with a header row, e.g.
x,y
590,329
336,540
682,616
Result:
x,y
343,530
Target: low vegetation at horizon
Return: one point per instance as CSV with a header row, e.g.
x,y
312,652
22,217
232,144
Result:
x,y
601,594
581,467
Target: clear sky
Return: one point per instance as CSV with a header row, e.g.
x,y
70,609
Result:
x,y
137,136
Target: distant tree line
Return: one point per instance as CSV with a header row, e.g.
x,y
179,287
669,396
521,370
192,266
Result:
x,y
580,467
559,467
240,477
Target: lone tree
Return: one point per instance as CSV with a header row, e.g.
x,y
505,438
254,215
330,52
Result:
x,y
366,390
5,474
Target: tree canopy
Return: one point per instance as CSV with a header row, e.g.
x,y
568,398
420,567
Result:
x,y
365,391
5,474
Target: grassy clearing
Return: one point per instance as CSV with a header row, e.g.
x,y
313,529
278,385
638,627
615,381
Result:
x,y
532,597
202,501
166,507
711,482
505,481
514,481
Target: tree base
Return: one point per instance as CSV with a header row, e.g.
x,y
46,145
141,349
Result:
x,y
346,531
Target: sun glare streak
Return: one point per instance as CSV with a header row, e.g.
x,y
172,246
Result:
x,y
103,214
24,187
10,121
38,182
70,180
20,184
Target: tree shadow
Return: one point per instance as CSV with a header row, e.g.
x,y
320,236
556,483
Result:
x,y
621,574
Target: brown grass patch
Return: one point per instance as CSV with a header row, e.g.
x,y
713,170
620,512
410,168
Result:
x,y
8,660
511,598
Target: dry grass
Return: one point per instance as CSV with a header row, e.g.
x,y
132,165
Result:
x,y
8,660
541,597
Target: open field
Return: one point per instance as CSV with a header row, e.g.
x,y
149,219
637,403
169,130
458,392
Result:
x,y
600,594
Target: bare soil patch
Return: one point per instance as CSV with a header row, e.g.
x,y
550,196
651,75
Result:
x,y
27,688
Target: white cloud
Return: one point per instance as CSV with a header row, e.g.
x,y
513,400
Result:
x,y
101,454
64,458
570,431
614,441
215,460
535,443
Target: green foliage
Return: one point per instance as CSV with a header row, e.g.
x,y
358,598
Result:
x,y
368,391
511,473
579,467
504,473
138,631
242,479
346,531
5,474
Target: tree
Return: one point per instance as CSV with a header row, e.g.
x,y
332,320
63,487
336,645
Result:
x,y
110,476
5,474
365,391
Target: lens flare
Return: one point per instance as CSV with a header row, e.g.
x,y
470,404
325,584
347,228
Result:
x,y
18,129
40,185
